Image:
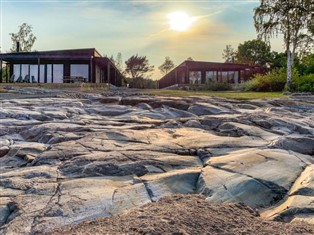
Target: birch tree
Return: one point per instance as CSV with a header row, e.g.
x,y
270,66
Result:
x,y
25,37
291,18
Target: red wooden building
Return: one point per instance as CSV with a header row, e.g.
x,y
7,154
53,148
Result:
x,y
201,72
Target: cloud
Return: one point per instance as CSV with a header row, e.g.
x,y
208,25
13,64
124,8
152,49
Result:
x,y
134,26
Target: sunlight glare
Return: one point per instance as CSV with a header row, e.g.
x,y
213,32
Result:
x,y
180,21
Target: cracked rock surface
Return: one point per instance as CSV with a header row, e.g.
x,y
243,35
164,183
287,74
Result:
x,y
66,159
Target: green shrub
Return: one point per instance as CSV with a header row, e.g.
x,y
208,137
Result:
x,y
274,80
218,86
304,83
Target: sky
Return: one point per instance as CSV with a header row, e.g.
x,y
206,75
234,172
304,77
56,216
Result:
x,y
132,27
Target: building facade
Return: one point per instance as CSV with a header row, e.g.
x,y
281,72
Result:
x,y
60,66
201,72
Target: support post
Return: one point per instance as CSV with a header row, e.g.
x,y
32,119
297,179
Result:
x,y
203,77
108,74
38,70
7,74
91,70
66,71
115,77
1,71
29,72
52,79
45,74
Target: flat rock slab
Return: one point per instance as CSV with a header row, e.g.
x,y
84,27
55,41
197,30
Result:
x,y
66,160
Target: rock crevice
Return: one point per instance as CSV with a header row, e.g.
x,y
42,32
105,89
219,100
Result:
x,y
69,159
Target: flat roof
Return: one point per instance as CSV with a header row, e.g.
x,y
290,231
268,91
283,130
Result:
x,y
85,53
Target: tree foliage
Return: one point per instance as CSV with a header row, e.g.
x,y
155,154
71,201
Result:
x,y
254,52
307,64
117,61
25,37
272,81
166,66
138,68
5,75
279,60
229,54
291,18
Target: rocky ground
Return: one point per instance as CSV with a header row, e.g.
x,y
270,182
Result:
x,y
186,214
67,157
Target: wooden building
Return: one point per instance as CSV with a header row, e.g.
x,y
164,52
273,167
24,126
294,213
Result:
x,y
60,66
201,72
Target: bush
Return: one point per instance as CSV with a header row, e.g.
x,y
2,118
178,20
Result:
x,y
218,86
275,80
304,83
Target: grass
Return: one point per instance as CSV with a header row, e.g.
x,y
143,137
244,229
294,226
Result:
x,y
84,87
43,85
224,94
102,87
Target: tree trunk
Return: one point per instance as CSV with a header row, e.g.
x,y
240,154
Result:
x,y
289,71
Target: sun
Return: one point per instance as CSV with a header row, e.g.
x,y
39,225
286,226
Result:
x,y
180,21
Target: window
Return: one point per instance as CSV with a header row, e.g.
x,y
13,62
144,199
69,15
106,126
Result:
x,y
234,77
58,73
211,76
79,70
34,73
224,76
195,77
49,73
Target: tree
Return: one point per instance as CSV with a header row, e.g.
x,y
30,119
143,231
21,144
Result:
x,y
254,52
166,66
308,64
229,54
292,18
279,60
138,67
117,61
5,73
25,37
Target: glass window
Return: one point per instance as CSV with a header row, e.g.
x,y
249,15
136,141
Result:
x,y
20,71
236,77
79,70
224,76
195,77
49,73
58,73
211,76
233,77
16,70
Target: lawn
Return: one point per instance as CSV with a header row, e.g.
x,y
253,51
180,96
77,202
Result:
x,y
224,94
101,87
85,87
